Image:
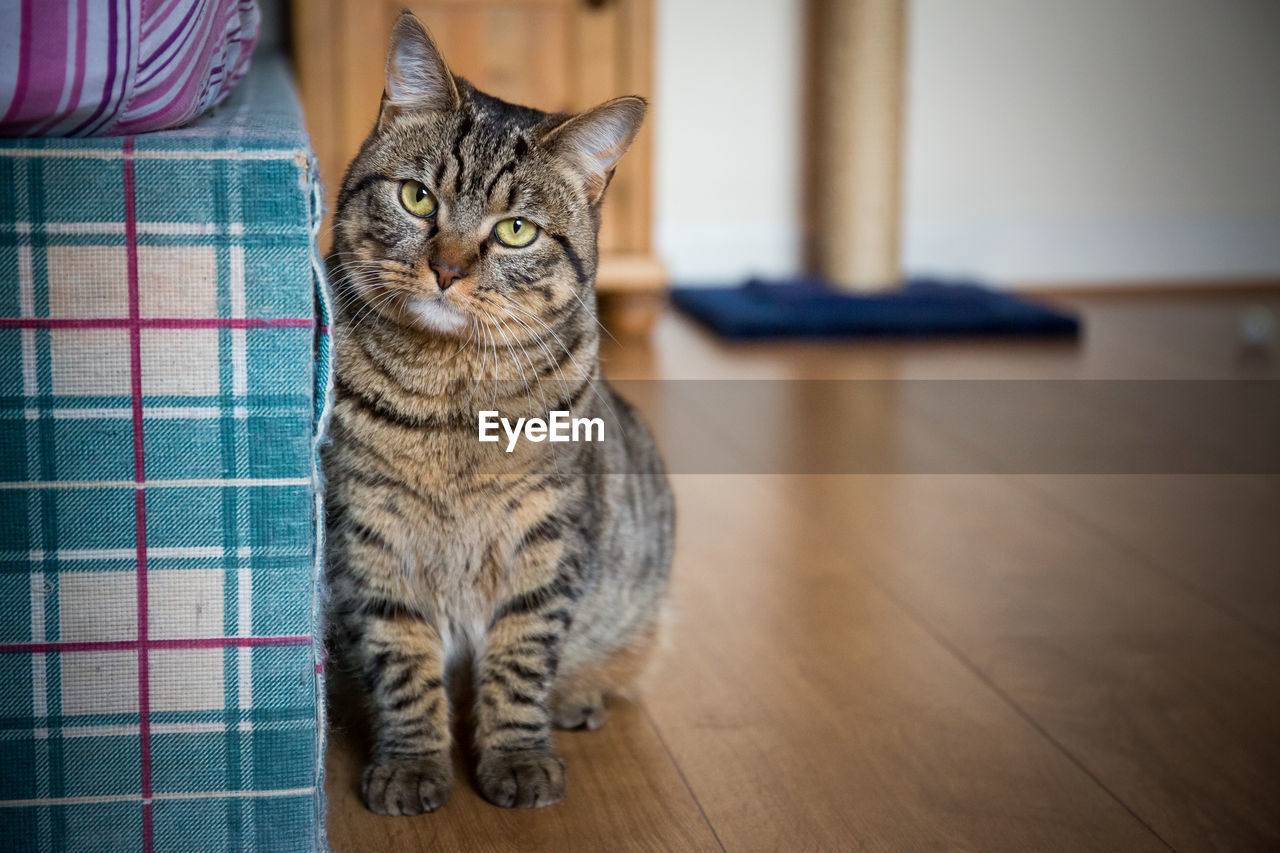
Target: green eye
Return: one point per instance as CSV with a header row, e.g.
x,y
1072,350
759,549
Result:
x,y
515,232
417,199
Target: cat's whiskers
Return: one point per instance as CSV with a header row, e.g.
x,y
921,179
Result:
x,y
544,409
547,328
375,305
592,315
372,308
546,351
465,345
483,340
519,365
524,348
358,278
354,292
493,402
588,375
534,337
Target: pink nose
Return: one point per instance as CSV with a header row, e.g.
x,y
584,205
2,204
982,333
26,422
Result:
x,y
446,275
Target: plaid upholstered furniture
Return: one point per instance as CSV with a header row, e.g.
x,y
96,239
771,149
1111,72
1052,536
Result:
x,y
161,350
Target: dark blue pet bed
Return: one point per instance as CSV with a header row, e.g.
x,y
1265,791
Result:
x,y
808,308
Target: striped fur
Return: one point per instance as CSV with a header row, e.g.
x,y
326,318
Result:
x,y
540,573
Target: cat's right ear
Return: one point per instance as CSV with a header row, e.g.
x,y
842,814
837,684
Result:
x,y
417,78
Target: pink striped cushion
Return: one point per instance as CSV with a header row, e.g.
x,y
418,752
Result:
x,y
115,67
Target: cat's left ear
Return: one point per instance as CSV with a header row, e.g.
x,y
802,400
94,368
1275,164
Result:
x,y
593,142
417,77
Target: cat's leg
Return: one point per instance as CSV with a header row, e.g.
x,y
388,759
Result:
x,y
399,656
409,770
516,766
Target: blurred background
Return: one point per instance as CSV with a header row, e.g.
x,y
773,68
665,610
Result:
x,y
1025,144
1031,142
1043,142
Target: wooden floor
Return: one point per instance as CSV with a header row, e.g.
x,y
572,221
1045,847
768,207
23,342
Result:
x,y
961,661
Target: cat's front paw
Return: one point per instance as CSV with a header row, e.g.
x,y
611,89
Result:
x,y
405,786
521,780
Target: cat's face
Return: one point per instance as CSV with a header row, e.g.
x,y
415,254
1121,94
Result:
x,y
464,213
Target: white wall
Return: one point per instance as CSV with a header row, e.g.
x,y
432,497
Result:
x,y
727,117
1093,139
1047,140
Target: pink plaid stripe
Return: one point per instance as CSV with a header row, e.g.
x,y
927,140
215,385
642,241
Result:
x,y
139,493
156,322
136,645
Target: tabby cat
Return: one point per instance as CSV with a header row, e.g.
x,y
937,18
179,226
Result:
x,y
463,266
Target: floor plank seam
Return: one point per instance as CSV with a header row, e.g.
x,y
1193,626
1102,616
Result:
x,y
644,709
918,618
1153,567
951,648
1008,700
1048,500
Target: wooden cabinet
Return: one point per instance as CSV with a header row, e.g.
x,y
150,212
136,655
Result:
x,y
556,55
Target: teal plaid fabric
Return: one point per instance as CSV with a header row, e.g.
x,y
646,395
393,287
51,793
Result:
x,y
163,366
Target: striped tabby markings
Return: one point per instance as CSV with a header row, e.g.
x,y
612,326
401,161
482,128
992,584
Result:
x,y
516,765
401,658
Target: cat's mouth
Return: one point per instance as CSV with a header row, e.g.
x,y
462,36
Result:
x,y
435,312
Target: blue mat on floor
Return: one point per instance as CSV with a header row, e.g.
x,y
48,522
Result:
x,y
808,308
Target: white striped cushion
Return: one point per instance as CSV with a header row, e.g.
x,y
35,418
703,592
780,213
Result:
x,y
116,67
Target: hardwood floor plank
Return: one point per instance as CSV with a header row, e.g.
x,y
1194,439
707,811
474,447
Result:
x,y
809,712
1218,535
1167,700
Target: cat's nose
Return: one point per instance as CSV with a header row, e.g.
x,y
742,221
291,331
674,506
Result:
x,y
445,274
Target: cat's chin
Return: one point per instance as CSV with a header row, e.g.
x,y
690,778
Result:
x,y
434,314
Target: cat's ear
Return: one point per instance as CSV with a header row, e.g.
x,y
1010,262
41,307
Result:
x,y
417,78
593,142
